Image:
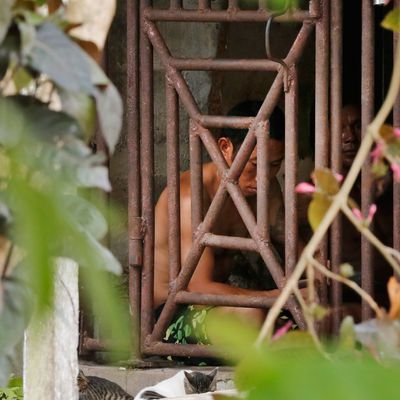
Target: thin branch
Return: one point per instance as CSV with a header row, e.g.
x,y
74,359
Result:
x,y
309,321
353,285
339,200
383,249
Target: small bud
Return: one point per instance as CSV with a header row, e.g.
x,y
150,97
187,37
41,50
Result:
x,y
371,212
339,177
357,213
378,151
346,270
305,187
396,132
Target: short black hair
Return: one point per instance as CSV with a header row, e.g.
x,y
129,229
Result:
x,y
249,108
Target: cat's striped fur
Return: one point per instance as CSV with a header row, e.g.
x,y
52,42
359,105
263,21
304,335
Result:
x,y
95,388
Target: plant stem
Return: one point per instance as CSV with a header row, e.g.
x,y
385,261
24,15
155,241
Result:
x,y
338,201
383,249
353,285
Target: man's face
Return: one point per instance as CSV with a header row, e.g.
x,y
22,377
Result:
x,y
248,178
351,133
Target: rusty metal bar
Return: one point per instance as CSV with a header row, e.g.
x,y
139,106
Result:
x,y
209,64
322,114
396,185
173,181
196,177
159,348
135,256
147,173
336,145
262,133
265,249
184,297
291,156
220,121
204,5
367,114
229,15
172,73
229,242
219,199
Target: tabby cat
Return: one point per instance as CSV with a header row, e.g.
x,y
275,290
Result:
x,y
95,388
183,383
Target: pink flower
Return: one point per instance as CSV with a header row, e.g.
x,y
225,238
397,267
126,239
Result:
x,y
371,212
305,187
396,171
377,153
339,177
282,330
396,132
357,213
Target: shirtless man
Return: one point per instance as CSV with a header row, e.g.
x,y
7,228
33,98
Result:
x,y
215,265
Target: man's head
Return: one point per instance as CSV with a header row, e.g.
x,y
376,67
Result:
x,y
231,139
351,133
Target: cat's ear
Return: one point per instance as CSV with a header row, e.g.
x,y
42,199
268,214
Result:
x,y
189,376
82,380
213,373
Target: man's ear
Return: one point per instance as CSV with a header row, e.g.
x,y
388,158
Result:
x,y
226,147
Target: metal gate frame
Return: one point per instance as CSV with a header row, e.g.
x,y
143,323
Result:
x,y
141,210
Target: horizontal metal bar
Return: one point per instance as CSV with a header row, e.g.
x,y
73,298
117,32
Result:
x,y
184,297
219,121
229,15
179,350
210,64
229,242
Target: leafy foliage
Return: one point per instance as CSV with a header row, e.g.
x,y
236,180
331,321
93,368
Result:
x,y
52,92
392,20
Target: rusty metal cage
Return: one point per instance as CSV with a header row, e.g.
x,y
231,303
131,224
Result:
x,y
144,38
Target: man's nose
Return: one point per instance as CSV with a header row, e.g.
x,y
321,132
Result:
x,y
348,135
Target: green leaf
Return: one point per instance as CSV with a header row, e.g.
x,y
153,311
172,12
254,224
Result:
x,y
85,214
347,336
379,168
55,55
5,17
81,107
317,209
109,112
392,20
12,122
8,49
326,181
16,310
28,35
21,117
22,78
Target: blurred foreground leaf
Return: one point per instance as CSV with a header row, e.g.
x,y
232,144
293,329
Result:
x,y
392,20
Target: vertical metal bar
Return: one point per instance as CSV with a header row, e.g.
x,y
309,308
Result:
x,y
147,171
204,5
132,115
291,150
196,177
367,114
262,134
396,185
173,181
175,4
336,144
321,112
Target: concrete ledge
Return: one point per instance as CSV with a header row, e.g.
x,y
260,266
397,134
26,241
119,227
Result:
x,y
133,380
